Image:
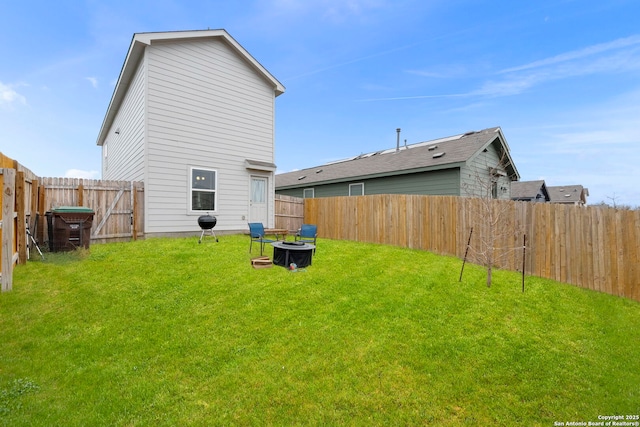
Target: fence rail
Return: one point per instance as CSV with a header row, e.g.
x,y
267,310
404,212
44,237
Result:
x,y
591,247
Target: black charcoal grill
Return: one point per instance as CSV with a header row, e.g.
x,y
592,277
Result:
x,y
207,222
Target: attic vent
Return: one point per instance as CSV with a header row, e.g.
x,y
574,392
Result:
x,y
319,170
438,155
469,133
302,177
567,195
433,147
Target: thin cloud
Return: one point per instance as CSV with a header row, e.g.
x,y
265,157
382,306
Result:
x,y
402,98
9,96
602,127
596,145
79,173
64,64
621,55
578,54
445,72
333,10
93,81
508,87
353,61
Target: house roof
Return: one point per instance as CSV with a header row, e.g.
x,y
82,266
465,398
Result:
x,y
442,153
568,194
138,44
528,189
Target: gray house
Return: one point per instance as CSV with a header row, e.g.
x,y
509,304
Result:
x,y
193,116
529,191
568,194
470,164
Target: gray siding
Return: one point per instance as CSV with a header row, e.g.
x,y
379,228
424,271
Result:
x,y
476,178
125,150
435,183
206,108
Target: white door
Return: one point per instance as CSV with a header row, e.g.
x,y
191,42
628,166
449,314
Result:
x,y
258,211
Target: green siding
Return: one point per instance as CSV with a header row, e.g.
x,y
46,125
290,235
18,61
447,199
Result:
x,y
294,192
476,179
442,183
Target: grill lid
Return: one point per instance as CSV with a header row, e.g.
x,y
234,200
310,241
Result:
x,y
207,221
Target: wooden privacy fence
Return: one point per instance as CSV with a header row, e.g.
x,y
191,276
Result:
x,y
118,205
289,212
591,247
17,198
8,234
25,199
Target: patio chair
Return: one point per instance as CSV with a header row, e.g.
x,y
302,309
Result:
x,y
307,234
256,232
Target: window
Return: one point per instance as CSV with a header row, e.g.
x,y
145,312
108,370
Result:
x,y
258,190
308,193
203,189
356,189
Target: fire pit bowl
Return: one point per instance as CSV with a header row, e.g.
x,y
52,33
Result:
x,y
207,222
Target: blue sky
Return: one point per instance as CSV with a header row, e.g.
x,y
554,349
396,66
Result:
x,y
561,77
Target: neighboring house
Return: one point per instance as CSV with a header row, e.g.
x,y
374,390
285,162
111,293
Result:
x,y
569,194
529,191
192,116
470,164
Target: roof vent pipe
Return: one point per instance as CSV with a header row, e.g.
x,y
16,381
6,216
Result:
x,y
398,141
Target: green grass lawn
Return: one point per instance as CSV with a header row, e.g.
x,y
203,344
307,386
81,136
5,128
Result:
x,y
168,332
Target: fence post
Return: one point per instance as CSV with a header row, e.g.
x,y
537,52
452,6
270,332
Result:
x,y
8,204
40,233
134,211
21,226
81,193
34,207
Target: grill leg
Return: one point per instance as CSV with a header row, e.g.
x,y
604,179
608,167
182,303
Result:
x,y
212,233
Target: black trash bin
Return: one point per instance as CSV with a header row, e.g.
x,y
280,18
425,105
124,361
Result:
x,y
69,228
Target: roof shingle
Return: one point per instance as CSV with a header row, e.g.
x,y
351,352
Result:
x,y
428,155
526,189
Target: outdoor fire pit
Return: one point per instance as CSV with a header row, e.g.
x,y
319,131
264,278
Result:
x,y
207,222
298,253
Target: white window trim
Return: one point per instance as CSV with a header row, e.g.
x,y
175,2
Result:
x,y
191,189
313,193
361,184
